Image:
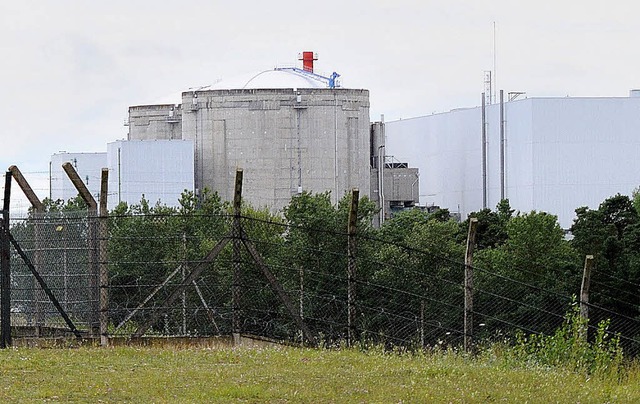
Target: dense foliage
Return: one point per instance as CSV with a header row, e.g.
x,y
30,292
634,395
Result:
x,y
567,348
409,273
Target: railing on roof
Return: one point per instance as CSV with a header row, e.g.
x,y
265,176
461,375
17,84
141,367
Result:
x,y
330,81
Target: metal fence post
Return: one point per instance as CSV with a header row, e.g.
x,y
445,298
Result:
x,y
237,244
5,268
39,297
104,265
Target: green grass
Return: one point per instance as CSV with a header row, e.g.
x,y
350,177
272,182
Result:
x,y
144,375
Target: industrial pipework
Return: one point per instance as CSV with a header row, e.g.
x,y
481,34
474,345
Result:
x,y
307,70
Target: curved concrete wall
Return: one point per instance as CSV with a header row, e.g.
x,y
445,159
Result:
x,y
285,140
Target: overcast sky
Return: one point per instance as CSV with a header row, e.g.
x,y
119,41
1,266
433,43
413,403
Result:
x,y
71,68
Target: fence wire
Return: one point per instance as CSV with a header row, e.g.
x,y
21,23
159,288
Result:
x,y
165,281
59,246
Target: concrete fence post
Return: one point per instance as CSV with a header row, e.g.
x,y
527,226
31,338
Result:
x,y
352,267
468,284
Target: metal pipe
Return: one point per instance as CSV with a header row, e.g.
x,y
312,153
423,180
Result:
x,y
335,151
381,182
119,179
413,185
484,152
299,140
495,68
502,190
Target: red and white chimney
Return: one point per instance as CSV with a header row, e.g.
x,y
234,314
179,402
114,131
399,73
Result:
x,y
307,60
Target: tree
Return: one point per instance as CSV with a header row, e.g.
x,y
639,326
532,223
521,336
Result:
x,y
612,235
315,253
533,273
491,231
148,243
419,279
635,199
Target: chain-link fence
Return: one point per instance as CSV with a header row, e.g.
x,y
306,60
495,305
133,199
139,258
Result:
x,y
201,275
59,246
150,258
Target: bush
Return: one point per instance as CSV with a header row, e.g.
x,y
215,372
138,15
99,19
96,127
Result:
x,y
570,349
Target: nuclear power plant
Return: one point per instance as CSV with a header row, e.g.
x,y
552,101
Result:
x,y
290,129
293,129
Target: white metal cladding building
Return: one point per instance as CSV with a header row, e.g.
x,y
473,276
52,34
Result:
x,y
87,165
159,170
559,154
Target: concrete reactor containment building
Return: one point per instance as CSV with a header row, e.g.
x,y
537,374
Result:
x,y
290,130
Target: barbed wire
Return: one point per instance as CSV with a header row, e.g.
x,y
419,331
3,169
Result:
x,y
403,295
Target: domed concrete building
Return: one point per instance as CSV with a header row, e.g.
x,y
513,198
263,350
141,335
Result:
x,y
290,130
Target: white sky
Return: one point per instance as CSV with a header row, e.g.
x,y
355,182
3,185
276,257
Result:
x,y
71,68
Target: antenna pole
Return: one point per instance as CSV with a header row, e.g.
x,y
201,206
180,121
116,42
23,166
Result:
x,y
495,73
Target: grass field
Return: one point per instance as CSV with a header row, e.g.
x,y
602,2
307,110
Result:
x,y
182,375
